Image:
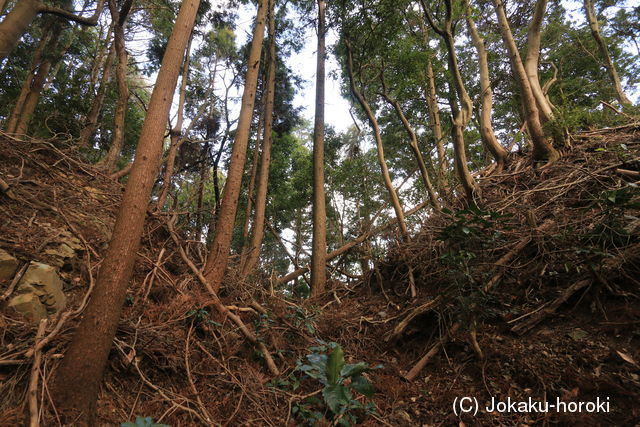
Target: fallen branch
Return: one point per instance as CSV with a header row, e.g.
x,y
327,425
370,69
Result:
x,y
540,315
400,327
413,373
215,301
34,417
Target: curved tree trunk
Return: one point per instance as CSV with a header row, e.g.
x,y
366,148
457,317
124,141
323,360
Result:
x,y
395,201
257,230
77,380
462,115
221,244
413,144
592,19
487,134
531,62
542,149
319,242
16,22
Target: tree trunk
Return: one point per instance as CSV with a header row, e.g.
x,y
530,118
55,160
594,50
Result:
x,y
250,190
257,230
319,241
413,143
397,207
532,61
117,140
18,106
592,19
78,378
176,132
221,244
15,23
91,121
542,149
462,116
487,134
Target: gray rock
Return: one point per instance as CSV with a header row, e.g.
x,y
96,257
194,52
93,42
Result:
x,y
8,265
43,281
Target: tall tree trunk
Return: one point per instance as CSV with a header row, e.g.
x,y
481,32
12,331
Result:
x,y
117,140
15,23
532,61
395,201
436,126
91,121
78,378
221,244
319,241
413,144
592,19
257,230
487,134
251,189
176,132
202,179
36,62
462,116
542,149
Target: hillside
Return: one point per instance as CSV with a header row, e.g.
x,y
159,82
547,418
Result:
x,y
533,294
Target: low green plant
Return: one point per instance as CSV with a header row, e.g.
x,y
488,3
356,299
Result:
x,y
342,382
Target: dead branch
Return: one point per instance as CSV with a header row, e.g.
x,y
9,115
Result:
x,y
413,373
400,327
34,416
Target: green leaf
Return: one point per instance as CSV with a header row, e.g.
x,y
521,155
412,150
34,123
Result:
x,y
362,385
354,369
334,365
337,397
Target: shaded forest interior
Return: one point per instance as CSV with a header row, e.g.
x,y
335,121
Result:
x,y
180,245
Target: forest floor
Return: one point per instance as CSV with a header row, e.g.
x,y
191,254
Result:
x,y
531,295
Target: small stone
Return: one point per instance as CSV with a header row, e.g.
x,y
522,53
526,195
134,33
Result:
x,y
43,281
8,265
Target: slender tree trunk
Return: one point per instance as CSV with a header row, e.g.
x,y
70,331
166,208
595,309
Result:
x,y
462,116
397,207
319,242
176,132
221,244
487,134
36,62
16,22
592,19
202,179
117,140
436,126
91,121
77,380
257,230
532,61
413,143
251,189
542,149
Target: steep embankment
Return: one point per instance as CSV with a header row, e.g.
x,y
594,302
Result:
x,y
533,294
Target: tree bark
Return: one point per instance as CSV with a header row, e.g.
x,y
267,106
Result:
x,y
117,140
15,23
176,132
257,230
319,241
78,378
413,143
251,188
91,121
542,149
397,207
532,62
462,116
221,244
592,19
487,134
